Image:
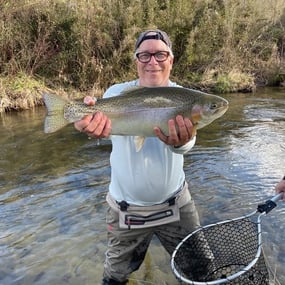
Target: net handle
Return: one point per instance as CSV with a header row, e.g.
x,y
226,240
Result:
x,y
269,204
277,197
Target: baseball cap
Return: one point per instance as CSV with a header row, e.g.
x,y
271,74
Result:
x,y
154,35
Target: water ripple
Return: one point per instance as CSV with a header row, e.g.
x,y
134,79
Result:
x,y
53,188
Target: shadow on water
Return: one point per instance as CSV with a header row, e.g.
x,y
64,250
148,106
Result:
x,y
53,187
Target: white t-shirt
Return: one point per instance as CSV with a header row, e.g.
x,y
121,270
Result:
x,y
149,176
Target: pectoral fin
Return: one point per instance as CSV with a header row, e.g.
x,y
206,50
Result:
x,y
194,131
139,141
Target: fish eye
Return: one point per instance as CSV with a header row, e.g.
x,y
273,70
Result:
x,y
214,106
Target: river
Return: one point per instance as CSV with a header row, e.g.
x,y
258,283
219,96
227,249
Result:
x,y
53,188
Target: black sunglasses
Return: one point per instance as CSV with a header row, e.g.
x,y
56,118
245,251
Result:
x,y
145,57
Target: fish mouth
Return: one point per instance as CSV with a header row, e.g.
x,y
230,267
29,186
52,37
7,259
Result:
x,y
220,111
225,106
221,107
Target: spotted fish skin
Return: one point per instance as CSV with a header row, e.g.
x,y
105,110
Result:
x,y
136,111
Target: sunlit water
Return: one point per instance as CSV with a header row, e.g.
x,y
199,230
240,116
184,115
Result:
x,y
53,187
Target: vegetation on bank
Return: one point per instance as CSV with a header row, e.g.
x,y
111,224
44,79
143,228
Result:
x,y
85,46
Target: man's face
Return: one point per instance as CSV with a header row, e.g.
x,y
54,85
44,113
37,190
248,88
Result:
x,y
154,73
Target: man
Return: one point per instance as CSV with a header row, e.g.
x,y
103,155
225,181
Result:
x,y
150,182
148,194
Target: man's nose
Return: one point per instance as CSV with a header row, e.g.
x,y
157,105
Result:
x,y
152,59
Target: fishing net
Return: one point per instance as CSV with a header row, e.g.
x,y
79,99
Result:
x,y
227,252
219,251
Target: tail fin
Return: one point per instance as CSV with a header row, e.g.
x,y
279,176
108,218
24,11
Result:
x,y
55,112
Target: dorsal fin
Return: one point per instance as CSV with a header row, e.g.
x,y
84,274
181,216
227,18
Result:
x,y
131,89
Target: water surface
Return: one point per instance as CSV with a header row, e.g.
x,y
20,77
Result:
x,y
53,187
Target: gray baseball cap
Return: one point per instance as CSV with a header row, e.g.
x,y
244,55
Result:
x,y
154,35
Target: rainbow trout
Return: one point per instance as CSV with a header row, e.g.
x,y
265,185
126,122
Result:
x,y
136,111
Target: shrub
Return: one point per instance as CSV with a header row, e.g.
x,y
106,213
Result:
x,y
88,45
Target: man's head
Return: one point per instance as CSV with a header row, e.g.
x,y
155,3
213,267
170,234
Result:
x,y
155,35
154,58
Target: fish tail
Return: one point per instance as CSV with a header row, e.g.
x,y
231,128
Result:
x,y
55,112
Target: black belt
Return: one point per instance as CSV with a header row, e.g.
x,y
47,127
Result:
x,y
171,201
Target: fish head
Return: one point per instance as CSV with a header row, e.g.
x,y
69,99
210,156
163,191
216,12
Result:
x,y
211,108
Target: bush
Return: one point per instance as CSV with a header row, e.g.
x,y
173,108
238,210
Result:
x,y
88,45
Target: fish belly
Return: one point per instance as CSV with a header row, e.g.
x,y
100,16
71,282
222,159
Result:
x,y
140,123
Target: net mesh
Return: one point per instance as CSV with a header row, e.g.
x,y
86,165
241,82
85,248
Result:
x,y
219,251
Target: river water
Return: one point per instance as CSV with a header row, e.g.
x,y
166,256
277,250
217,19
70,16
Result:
x,y
53,188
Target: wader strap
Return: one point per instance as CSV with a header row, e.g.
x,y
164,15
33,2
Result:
x,y
123,206
171,201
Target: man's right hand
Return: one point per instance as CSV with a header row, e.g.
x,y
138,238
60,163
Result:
x,y
97,125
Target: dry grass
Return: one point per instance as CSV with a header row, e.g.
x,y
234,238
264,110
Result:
x,y
20,93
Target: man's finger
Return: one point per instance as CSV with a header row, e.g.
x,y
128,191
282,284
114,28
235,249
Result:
x,y
90,101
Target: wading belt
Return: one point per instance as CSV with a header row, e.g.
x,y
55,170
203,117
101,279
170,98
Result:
x,y
134,216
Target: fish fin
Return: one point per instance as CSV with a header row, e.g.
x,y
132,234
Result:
x,y
55,112
195,118
139,141
54,102
131,89
54,122
194,131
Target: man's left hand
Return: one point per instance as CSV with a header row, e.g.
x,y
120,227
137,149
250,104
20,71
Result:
x,y
180,132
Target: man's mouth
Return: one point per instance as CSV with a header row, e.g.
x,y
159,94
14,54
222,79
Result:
x,y
152,71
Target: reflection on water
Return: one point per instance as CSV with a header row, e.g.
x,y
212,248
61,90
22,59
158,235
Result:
x,y
52,194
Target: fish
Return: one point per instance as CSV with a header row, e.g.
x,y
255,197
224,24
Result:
x,y
137,110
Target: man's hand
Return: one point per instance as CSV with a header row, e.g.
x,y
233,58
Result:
x,y
280,187
180,132
97,125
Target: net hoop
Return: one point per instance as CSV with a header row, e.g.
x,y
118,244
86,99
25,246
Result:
x,y
232,276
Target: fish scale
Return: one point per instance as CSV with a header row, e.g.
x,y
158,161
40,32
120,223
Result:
x,y
136,111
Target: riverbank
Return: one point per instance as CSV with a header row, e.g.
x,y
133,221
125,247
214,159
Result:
x,y
24,92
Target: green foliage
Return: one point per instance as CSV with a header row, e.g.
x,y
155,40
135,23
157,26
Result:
x,y
88,45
